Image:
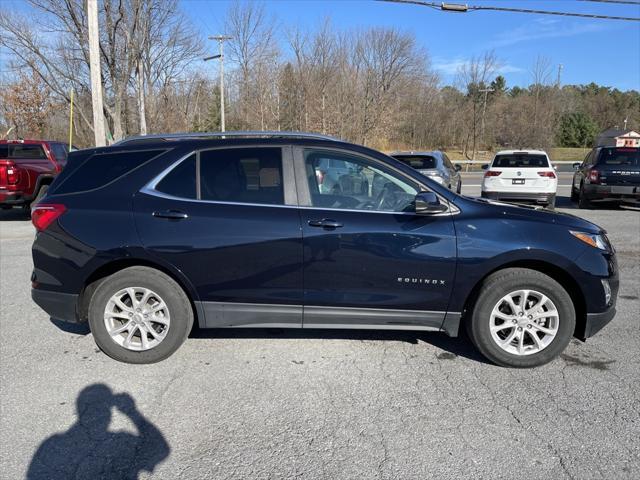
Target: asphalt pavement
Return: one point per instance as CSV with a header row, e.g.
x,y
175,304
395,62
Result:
x,y
315,404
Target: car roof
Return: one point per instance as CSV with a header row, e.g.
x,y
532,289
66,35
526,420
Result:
x,y
522,151
28,141
409,153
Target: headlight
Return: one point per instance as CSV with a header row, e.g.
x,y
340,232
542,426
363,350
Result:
x,y
593,239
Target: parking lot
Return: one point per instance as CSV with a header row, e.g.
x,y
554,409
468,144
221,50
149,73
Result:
x,y
318,404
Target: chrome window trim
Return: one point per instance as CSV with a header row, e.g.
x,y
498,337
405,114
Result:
x,y
150,188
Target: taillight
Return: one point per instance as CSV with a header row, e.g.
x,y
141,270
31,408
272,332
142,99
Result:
x,y
594,176
13,174
320,176
492,173
548,174
44,214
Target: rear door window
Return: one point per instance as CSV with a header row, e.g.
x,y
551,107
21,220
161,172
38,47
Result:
x,y
60,152
520,160
103,168
242,175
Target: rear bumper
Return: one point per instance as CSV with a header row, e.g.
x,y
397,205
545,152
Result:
x,y
541,198
61,306
612,193
13,198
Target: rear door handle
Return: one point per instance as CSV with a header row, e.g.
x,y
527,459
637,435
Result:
x,y
324,223
171,214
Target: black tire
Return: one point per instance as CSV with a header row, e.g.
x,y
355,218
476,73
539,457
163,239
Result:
x,y
582,199
501,283
552,203
574,194
41,193
181,313
459,187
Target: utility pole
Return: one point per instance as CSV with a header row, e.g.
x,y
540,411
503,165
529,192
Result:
x,y
96,77
560,66
220,39
484,107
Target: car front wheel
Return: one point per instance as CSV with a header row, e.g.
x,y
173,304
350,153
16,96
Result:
x,y
522,318
139,315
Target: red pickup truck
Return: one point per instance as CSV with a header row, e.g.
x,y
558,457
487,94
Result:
x,y
27,168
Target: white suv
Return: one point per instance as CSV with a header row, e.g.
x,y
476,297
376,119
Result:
x,y
521,176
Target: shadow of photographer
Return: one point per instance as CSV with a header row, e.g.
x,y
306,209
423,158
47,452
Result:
x,y
89,450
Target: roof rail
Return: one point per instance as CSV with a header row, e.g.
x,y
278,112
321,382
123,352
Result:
x,y
223,135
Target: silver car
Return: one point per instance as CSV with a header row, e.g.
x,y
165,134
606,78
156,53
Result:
x,y
435,165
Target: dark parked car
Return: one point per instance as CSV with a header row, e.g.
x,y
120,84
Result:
x,y
607,175
27,168
435,165
144,238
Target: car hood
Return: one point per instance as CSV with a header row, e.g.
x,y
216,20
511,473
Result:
x,y
536,214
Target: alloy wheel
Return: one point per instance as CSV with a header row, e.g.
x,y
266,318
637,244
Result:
x,y
524,322
137,318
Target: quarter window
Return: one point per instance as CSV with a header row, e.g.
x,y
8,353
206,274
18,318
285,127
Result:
x,y
346,182
181,181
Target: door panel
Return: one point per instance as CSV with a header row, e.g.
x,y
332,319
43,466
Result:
x,y
244,259
368,260
231,253
379,260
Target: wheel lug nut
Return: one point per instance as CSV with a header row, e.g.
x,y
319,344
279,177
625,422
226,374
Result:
x,y
530,317
130,314
529,326
519,329
514,321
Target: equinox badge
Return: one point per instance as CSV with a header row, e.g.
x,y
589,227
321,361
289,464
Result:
x,y
424,281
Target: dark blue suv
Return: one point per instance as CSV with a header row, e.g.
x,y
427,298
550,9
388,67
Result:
x,y
143,238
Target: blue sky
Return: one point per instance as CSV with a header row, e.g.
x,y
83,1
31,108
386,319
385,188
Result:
x,y
602,51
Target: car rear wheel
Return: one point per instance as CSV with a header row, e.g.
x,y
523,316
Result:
x,y
574,194
522,318
582,199
41,193
459,187
139,315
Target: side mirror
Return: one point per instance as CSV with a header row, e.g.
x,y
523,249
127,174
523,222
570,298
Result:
x,y
457,167
576,165
428,202
485,166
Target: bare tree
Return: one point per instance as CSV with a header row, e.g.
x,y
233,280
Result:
x,y
475,75
149,39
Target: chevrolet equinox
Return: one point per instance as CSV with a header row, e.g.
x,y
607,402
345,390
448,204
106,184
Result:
x,y
144,238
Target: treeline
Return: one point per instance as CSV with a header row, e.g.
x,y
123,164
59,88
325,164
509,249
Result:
x,y
373,86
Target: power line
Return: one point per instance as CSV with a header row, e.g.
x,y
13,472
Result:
x,y
621,2
463,8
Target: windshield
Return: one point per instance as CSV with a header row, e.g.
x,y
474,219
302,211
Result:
x,y
520,160
423,162
620,156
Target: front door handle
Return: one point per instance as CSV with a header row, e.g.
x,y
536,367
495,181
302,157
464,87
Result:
x,y
171,215
324,223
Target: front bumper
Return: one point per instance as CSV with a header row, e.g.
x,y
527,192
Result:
x,y
60,306
612,193
540,198
596,321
